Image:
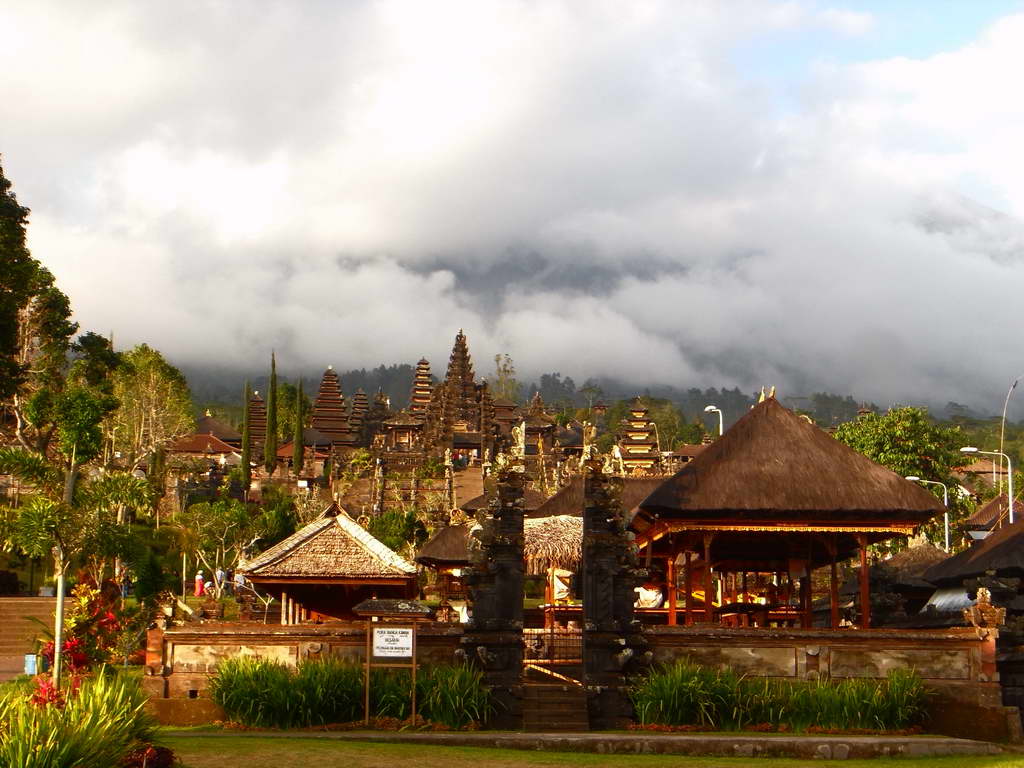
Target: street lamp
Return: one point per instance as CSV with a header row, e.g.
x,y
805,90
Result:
x,y
1009,472
945,502
1002,425
714,409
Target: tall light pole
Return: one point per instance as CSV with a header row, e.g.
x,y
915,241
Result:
x,y
1006,403
1009,472
945,503
714,409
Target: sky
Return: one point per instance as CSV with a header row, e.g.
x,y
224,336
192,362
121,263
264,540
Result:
x,y
810,195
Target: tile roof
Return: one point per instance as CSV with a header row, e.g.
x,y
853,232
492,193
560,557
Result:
x,y
201,443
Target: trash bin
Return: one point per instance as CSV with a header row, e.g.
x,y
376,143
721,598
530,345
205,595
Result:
x,y
31,664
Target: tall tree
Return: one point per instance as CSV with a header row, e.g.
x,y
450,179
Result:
x,y
270,446
298,448
246,463
154,404
503,382
19,270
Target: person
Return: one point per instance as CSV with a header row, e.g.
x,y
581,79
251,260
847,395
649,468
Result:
x,y
200,589
219,577
239,581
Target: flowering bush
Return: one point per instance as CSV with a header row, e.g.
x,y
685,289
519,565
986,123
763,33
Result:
x,y
91,630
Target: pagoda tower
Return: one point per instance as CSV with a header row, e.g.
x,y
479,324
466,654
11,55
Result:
x,y
455,404
422,389
360,407
257,426
638,441
329,416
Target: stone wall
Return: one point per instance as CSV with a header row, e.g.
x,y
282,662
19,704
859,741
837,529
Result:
x,y
180,660
958,667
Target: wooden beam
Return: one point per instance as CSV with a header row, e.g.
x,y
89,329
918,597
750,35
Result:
x,y
688,586
670,578
865,584
709,607
284,607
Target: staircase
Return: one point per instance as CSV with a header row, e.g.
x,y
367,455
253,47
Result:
x,y
549,707
18,632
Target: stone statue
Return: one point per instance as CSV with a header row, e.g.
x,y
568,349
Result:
x,y
519,440
983,615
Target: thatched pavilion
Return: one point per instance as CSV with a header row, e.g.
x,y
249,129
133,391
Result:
x,y
769,501
322,570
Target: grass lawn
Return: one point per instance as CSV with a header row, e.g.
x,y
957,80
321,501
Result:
x,y
255,751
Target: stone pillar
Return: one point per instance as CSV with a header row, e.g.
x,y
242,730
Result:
x,y
493,638
613,643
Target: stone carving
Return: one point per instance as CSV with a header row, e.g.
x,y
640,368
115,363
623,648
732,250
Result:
x,y
519,440
613,643
494,634
983,615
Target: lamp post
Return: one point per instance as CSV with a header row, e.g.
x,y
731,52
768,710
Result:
x,y
945,503
1009,472
714,409
1006,403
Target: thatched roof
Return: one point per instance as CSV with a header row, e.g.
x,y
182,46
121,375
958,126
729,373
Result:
x,y
1001,551
556,540
569,499
449,546
333,546
773,466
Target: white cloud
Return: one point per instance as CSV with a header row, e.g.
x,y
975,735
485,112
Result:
x,y
596,189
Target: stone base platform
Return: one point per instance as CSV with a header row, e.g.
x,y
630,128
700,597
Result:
x,y
707,745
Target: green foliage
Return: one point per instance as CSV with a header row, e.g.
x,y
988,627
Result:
x,y
503,383
689,694
155,404
397,529
95,728
267,694
270,446
78,413
246,462
908,442
453,695
298,418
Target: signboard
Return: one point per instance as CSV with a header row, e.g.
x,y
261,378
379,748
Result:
x,y
392,642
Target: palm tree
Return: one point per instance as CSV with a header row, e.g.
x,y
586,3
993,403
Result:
x,y
63,517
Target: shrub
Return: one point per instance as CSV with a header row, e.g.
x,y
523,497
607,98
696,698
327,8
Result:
x,y
454,696
266,694
93,727
688,694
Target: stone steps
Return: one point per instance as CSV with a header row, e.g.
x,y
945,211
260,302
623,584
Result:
x,y
554,707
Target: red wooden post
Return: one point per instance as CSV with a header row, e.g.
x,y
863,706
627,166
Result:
x,y
688,585
670,577
709,608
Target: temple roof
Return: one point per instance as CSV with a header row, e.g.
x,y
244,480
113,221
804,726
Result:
x,y
1001,551
773,465
557,539
333,546
201,443
569,499
448,546
208,425
988,514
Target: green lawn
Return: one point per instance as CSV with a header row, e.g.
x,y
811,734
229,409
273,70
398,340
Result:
x,y
256,751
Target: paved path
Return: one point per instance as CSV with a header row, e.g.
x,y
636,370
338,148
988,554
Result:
x,y
717,745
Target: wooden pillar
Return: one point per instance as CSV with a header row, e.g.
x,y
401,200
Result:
x,y
670,577
865,583
709,608
805,600
284,607
549,599
833,589
746,593
688,586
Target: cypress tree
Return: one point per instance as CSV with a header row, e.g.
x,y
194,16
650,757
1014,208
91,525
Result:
x,y
298,452
270,446
246,439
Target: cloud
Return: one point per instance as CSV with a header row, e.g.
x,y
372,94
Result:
x,y
594,189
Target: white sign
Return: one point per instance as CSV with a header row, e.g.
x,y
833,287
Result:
x,y
392,642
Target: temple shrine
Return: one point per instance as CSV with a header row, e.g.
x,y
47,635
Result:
x,y
638,441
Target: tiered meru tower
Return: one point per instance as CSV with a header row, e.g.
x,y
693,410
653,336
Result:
x,y
329,414
422,389
638,441
257,426
459,404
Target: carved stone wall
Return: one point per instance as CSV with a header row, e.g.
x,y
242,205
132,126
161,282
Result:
x,y
493,638
613,643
